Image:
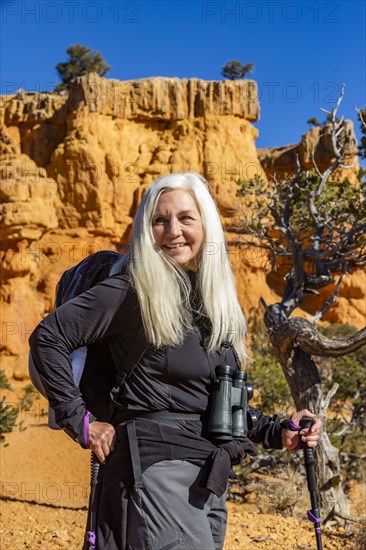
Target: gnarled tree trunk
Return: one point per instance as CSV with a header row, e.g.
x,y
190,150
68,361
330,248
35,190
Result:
x,y
288,338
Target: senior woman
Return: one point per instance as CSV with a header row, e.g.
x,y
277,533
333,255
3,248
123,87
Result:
x,y
164,480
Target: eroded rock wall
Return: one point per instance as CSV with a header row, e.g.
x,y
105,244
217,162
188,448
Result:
x,y
314,149
74,167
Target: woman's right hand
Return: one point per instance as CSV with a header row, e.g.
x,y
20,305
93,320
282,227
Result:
x,y
102,437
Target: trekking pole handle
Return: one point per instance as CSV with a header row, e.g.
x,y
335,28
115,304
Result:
x,y
306,422
94,474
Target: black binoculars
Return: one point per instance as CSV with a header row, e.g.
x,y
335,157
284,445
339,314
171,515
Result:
x,y
230,417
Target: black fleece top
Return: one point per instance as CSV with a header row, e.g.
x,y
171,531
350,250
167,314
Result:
x,y
171,378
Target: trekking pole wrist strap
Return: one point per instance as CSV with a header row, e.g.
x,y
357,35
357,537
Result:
x,y
290,425
84,436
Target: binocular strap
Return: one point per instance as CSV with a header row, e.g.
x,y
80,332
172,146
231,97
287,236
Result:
x,y
212,368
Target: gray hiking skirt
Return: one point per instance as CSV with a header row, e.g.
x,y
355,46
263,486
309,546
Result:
x,y
172,511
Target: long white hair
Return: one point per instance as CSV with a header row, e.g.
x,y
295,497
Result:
x,y
163,287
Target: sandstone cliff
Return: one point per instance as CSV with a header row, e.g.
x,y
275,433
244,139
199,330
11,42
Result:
x,y
108,140
75,166
315,145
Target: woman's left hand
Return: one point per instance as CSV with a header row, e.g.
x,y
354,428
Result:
x,y
310,436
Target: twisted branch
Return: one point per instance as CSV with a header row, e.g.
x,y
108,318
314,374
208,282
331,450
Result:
x,y
315,343
329,302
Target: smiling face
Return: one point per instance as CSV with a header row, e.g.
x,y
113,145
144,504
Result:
x,y
177,227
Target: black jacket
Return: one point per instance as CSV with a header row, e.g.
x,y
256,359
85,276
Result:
x,y
107,318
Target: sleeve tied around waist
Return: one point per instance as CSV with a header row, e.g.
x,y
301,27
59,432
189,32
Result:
x,y
220,461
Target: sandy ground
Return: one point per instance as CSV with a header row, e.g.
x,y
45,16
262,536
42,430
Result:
x,y
45,487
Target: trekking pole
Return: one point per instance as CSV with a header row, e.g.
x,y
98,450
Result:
x,y
93,502
313,513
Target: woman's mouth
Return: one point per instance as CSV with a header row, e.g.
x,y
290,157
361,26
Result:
x,y
174,246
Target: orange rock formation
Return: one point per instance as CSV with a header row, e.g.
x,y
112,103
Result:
x,y
75,166
315,146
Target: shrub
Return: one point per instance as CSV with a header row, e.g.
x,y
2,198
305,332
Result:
x,y
8,413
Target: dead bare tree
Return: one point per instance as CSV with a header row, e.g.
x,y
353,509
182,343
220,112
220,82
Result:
x,y
314,228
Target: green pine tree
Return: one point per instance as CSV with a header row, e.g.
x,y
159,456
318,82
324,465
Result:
x,y
233,70
82,60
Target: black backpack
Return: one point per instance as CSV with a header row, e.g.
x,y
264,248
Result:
x,y
94,369
86,274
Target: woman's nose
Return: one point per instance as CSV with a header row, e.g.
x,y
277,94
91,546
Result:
x,y
174,228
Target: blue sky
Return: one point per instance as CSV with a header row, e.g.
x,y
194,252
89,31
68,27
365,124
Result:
x,y
302,50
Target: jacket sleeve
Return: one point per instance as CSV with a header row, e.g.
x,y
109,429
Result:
x,y
267,432
94,315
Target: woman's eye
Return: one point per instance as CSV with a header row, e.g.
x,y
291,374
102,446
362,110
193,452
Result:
x,y
159,221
